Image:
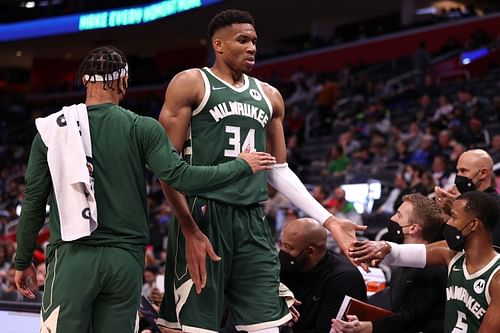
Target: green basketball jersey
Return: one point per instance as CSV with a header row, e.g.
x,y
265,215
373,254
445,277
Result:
x,y
227,121
467,295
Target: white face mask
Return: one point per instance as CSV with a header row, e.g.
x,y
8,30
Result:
x,y
408,177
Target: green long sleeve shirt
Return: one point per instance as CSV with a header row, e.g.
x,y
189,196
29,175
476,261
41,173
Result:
x,y
123,145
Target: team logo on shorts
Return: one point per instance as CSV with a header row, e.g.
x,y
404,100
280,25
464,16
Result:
x,y
479,286
255,94
204,210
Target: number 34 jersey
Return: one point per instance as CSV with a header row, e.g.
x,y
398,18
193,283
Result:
x,y
467,295
228,121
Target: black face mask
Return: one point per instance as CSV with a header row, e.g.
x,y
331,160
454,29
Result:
x,y
464,184
291,264
454,237
395,232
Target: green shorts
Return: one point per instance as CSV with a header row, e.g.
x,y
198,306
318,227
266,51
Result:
x,y
246,279
91,289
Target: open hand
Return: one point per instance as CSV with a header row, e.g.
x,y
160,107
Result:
x,y
26,282
258,160
344,233
445,198
197,248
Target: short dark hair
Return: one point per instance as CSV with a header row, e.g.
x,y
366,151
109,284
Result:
x,y
427,214
482,206
102,61
151,268
227,18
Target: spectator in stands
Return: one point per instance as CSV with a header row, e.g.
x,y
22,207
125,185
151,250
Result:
x,y
431,87
401,153
426,108
473,105
413,137
440,171
320,193
444,110
294,123
377,120
477,136
378,148
495,148
9,291
388,206
428,182
343,208
444,144
318,278
380,218
413,178
361,159
294,159
458,124
348,142
424,153
416,295
474,173
338,161
326,99
149,281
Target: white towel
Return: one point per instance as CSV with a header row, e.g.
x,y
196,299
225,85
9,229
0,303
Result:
x,y
67,135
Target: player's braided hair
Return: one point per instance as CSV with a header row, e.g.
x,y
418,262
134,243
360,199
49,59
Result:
x,y
103,61
227,18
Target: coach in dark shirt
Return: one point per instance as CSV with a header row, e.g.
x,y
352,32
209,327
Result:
x,y
474,173
318,277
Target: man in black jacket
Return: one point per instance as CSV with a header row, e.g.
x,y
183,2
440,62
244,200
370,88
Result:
x,y
474,173
417,295
318,277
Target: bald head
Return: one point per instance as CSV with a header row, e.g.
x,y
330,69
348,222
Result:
x,y
478,157
476,164
306,231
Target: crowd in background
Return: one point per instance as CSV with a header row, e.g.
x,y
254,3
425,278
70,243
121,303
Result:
x,y
414,134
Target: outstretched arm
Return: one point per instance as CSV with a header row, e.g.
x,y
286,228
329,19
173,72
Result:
x,y
409,255
286,181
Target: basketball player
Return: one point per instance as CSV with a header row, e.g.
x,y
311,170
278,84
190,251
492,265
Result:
x,y
212,114
94,281
473,288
